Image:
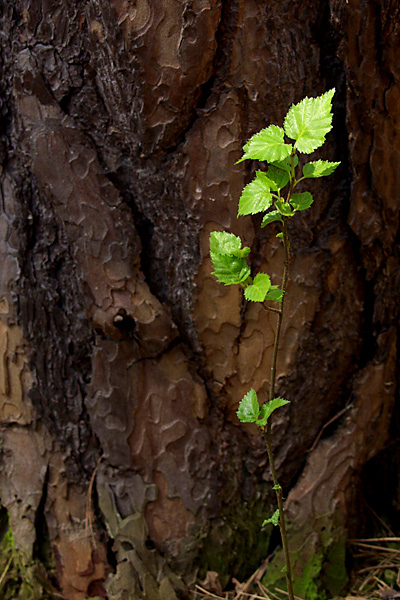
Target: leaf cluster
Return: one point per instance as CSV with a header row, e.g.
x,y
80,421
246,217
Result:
x,y
249,410
230,267
274,519
307,124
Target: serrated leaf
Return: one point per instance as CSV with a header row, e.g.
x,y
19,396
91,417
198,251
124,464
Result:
x,y
278,177
268,408
229,269
248,410
274,519
263,412
268,144
284,208
259,288
274,294
319,168
309,121
256,197
301,201
270,217
222,242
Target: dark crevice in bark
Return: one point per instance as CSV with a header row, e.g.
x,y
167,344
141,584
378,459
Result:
x,y
41,545
379,42
66,100
380,475
7,15
368,333
225,37
60,350
85,106
111,553
332,70
154,357
170,252
381,487
217,82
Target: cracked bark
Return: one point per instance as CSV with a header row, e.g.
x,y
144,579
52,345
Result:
x,y
121,124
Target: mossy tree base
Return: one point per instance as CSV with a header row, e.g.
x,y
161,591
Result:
x,y
318,563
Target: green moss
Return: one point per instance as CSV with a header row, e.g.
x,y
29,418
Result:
x,y
235,545
318,564
306,583
20,577
334,575
307,586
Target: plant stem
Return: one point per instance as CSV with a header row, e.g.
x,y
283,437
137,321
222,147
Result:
x,y
277,487
272,309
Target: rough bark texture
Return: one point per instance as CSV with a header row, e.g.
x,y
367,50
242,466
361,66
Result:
x,y
122,360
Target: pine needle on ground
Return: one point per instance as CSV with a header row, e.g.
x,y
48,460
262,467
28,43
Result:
x,y
375,575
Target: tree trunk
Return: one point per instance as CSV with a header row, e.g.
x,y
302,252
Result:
x,y
122,359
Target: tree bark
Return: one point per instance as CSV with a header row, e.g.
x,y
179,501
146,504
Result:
x,y
122,359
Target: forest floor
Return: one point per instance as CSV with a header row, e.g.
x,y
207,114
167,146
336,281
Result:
x,y
375,575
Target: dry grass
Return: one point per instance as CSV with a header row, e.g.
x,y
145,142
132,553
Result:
x,y
375,576
377,571
261,594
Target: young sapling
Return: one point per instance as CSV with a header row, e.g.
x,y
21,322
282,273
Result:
x,y
272,193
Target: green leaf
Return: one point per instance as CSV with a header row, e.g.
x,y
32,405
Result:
x,y
268,144
274,294
270,217
255,197
301,201
222,242
284,208
248,410
227,255
259,288
268,408
319,168
276,487
286,163
274,519
309,121
278,177
229,269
